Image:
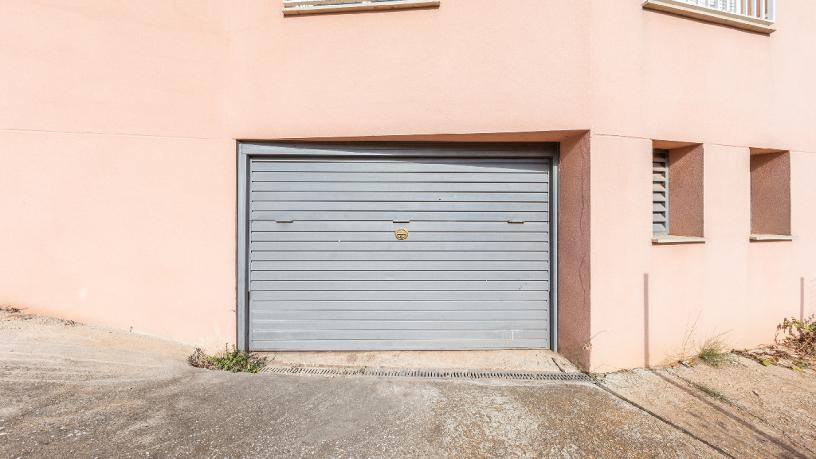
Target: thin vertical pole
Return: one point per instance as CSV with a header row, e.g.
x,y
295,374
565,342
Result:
x,y
802,299
646,331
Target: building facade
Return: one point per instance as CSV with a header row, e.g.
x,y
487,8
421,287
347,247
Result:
x,y
620,180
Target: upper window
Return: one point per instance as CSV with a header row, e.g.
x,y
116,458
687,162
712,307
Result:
x,y
297,7
755,15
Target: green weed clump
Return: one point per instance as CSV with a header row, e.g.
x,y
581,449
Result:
x,y
231,360
714,353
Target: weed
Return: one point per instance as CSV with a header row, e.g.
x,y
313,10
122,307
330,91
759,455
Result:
x,y
229,360
799,335
714,353
10,309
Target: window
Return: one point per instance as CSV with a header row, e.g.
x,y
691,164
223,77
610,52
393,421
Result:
x,y
677,193
299,7
770,195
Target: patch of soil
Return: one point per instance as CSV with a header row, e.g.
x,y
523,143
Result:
x,y
780,355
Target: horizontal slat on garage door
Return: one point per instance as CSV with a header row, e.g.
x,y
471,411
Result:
x,y
327,273
398,285
391,344
518,166
406,315
407,206
268,307
400,275
389,226
381,334
394,197
385,324
388,236
396,255
468,265
399,177
400,215
384,295
399,245
419,187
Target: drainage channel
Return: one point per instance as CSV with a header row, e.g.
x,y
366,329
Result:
x,y
431,374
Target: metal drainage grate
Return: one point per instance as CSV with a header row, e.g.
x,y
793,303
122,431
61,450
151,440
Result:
x,y
435,374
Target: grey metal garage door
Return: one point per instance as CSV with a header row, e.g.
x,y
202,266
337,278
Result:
x,y
373,253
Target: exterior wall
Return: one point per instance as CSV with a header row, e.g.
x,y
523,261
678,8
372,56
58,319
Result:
x,y
117,180
734,91
119,121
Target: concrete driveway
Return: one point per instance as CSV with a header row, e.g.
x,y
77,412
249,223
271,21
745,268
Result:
x,y
72,390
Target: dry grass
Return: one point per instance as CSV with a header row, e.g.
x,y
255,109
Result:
x,y
714,353
231,360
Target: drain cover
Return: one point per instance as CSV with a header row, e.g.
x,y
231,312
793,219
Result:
x,y
431,374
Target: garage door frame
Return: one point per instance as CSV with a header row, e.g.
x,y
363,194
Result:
x,y
246,151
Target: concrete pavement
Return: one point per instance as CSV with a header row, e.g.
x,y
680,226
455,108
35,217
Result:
x,y
81,391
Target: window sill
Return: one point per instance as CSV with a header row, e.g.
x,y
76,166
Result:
x,y
304,7
770,237
709,15
674,240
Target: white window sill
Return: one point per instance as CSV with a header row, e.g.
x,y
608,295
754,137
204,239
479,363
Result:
x,y
710,15
770,237
674,240
303,7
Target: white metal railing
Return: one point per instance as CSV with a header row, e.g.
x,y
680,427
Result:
x,y
757,9
292,7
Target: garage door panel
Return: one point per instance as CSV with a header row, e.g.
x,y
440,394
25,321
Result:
x,y
412,187
398,275
406,206
389,226
383,295
400,266
386,177
388,236
398,285
394,255
327,273
394,197
400,246
435,324
389,216
352,166
299,315
538,306
400,344
404,334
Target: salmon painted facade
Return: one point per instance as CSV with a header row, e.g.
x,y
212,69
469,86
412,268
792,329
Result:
x,y
660,155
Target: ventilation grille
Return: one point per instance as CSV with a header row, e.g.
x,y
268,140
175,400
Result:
x,y
660,192
431,374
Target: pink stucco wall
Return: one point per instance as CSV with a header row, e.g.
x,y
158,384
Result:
x,y
118,123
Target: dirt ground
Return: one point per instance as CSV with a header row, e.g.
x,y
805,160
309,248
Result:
x,y
70,390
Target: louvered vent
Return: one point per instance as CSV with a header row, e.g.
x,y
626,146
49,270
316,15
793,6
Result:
x,y
660,192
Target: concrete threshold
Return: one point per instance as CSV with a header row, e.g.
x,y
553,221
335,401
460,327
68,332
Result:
x,y
502,360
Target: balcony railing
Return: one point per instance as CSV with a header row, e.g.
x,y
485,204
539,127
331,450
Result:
x,y
756,9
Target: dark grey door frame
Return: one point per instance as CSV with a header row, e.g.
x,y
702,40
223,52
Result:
x,y
248,150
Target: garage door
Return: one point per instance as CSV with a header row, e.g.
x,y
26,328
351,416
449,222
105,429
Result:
x,y
377,253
